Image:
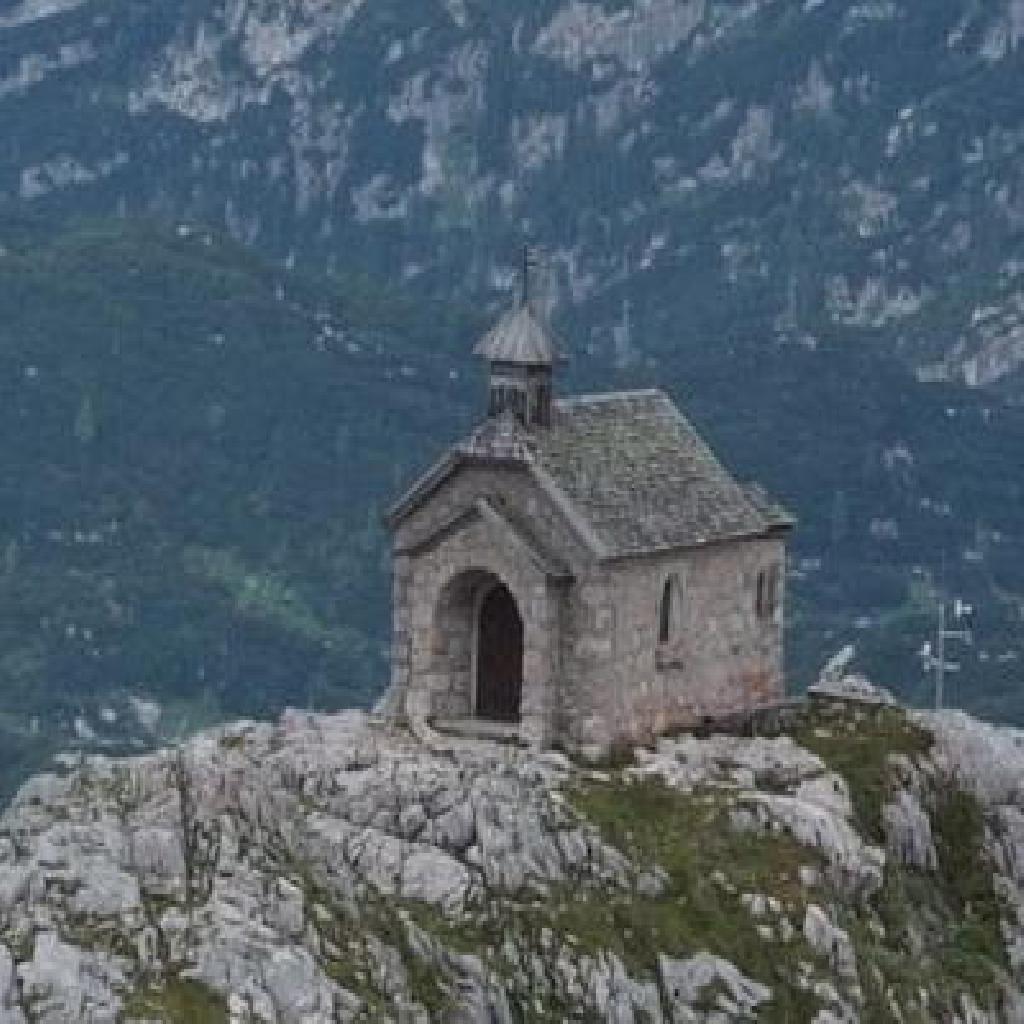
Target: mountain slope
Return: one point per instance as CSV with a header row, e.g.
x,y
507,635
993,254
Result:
x,y
804,219
704,173
198,445
197,448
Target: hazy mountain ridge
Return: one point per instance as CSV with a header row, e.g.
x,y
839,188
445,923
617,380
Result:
x,y
759,171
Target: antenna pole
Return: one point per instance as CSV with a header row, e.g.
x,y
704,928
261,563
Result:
x,y
935,658
530,262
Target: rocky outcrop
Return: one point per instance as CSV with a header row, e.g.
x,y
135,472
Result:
x,y
779,787
709,979
908,833
328,869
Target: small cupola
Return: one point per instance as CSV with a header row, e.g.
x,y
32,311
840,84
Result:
x,y
521,353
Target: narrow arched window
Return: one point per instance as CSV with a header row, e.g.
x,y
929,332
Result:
x,y
670,610
767,598
665,613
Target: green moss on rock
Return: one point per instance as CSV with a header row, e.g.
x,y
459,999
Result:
x,y
859,744
708,867
177,1001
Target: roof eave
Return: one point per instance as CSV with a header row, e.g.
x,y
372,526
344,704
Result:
x,y
771,532
423,486
549,564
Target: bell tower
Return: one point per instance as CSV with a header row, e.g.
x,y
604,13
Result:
x,y
521,354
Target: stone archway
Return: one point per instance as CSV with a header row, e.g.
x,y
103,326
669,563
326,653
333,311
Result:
x,y
498,656
478,649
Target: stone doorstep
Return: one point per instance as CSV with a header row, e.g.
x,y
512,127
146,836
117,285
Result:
x,y
479,729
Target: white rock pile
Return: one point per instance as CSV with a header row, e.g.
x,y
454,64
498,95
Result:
x,y
327,869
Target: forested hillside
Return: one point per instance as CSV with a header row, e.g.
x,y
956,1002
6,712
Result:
x,y
198,446
196,451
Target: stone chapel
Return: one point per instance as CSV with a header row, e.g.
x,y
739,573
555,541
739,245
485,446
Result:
x,y
581,570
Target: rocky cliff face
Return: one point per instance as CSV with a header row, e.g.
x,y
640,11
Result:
x,y
756,172
867,867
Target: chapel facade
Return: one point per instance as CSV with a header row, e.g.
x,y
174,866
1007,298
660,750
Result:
x,y
581,570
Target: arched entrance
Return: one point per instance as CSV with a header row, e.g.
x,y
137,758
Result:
x,y
477,650
499,656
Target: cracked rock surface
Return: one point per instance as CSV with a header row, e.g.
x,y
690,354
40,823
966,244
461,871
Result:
x,y
327,868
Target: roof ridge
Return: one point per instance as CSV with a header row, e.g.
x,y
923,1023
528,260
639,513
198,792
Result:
x,y
611,396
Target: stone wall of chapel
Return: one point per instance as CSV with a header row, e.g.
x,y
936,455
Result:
x,y
588,658
433,666
578,628
722,655
595,669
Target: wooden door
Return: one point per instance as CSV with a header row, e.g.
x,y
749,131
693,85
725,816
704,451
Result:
x,y
499,660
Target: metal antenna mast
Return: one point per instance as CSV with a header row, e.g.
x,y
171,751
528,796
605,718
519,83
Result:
x,y
530,262
935,660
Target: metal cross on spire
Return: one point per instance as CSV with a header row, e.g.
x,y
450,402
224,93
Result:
x,y
531,261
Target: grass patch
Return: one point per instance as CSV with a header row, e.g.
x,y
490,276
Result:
x,y
859,744
942,930
923,950
959,833
177,1001
97,936
690,838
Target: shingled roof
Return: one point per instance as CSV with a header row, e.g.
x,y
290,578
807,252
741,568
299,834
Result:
x,y
627,467
519,337
636,470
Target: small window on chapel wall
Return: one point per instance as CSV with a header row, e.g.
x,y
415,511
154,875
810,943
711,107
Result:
x,y
669,610
767,599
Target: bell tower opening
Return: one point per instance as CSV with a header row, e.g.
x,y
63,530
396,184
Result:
x,y
521,354
499,657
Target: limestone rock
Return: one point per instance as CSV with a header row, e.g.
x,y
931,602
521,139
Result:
x,y
155,856
618,998
289,908
693,983
854,866
10,1010
63,983
830,941
836,681
433,877
987,759
329,869
480,1001
687,763
908,833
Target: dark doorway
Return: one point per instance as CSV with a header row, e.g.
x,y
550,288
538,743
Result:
x,y
499,657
